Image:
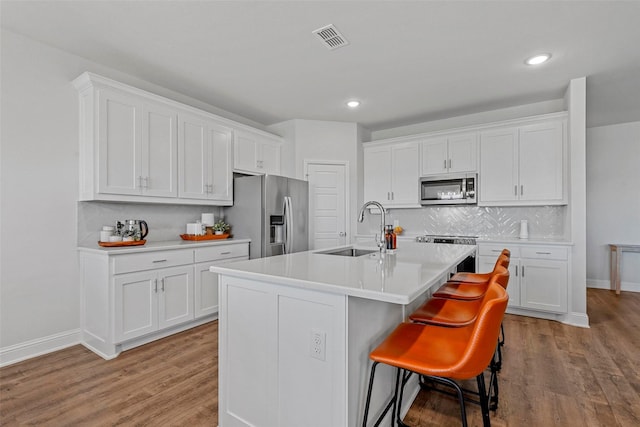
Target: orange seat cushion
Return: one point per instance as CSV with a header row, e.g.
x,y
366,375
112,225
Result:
x,y
447,312
461,291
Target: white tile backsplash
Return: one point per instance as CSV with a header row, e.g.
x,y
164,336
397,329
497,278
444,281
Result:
x,y
166,222
544,221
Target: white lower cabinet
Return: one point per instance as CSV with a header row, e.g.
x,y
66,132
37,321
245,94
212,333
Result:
x,y
132,298
206,285
151,300
539,275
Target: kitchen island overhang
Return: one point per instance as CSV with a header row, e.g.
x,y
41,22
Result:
x,y
296,330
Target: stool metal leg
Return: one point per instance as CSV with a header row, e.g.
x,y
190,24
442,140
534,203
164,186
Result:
x,y
366,406
484,404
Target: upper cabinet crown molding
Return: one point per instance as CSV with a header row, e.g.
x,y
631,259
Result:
x,y
133,147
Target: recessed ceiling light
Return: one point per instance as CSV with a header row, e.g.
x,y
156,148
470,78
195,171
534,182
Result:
x,y
353,104
538,59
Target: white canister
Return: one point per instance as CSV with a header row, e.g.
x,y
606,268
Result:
x,y
194,228
105,235
207,219
524,229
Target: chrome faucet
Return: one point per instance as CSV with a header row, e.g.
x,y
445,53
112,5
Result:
x,y
381,242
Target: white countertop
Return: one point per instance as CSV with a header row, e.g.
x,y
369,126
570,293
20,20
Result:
x,y
397,278
530,241
159,246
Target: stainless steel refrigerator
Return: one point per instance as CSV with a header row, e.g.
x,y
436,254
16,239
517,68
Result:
x,y
271,210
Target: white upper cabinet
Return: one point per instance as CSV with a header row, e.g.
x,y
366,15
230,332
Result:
x,y
136,146
523,165
159,151
391,173
133,148
204,147
448,154
255,153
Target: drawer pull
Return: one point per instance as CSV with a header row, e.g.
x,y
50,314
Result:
x,y
543,253
225,253
159,260
496,250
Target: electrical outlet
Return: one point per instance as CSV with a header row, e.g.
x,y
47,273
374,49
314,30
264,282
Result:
x,y
318,344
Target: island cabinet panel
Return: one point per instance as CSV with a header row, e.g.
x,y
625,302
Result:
x,y
271,371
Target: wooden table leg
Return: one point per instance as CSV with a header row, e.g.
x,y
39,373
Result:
x,y
615,270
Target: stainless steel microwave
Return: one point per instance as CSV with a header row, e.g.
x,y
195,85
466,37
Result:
x,y
450,189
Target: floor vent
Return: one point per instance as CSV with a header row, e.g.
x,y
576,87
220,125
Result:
x,y
331,37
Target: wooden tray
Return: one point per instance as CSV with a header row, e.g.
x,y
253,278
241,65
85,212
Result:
x,y
205,237
117,244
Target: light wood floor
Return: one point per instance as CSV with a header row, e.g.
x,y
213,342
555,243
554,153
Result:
x,y
553,375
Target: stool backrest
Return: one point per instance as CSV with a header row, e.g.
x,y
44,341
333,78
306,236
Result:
x,y
484,337
502,260
500,276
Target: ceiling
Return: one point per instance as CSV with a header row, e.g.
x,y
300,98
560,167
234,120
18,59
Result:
x,y
407,61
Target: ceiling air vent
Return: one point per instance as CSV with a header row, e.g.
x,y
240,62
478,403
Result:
x,y
331,37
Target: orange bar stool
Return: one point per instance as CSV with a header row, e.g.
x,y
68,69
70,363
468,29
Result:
x,y
456,312
470,291
503,259
443,355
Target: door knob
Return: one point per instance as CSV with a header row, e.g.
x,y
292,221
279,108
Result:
x,y
342,234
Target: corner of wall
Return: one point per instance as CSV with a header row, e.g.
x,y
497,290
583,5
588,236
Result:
x,y
575,100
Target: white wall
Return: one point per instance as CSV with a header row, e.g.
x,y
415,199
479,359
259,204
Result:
x,y
323,140
535,109
39,282
613,201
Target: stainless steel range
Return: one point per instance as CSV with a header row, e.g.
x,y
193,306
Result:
x,y
469,263
451,240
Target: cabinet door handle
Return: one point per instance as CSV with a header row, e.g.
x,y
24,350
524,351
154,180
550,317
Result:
x,y
449,163
543,253
496,250
516,271
392,196
158,260
155,285
162,283
523,271
445,164
139,181
145,182
522,190
515,190
225,253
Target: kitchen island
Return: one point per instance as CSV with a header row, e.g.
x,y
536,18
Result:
x,y
296,330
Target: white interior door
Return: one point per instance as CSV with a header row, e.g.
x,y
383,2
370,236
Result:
x,y
327,204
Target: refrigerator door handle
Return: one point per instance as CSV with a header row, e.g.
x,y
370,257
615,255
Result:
x,y
288,229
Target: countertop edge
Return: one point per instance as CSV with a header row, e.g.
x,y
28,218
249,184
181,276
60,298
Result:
x,y
159,246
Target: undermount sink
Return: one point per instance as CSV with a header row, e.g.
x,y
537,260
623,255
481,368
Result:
x,y
350,252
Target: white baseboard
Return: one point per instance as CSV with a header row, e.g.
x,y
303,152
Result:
x,y
26,350
606,284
